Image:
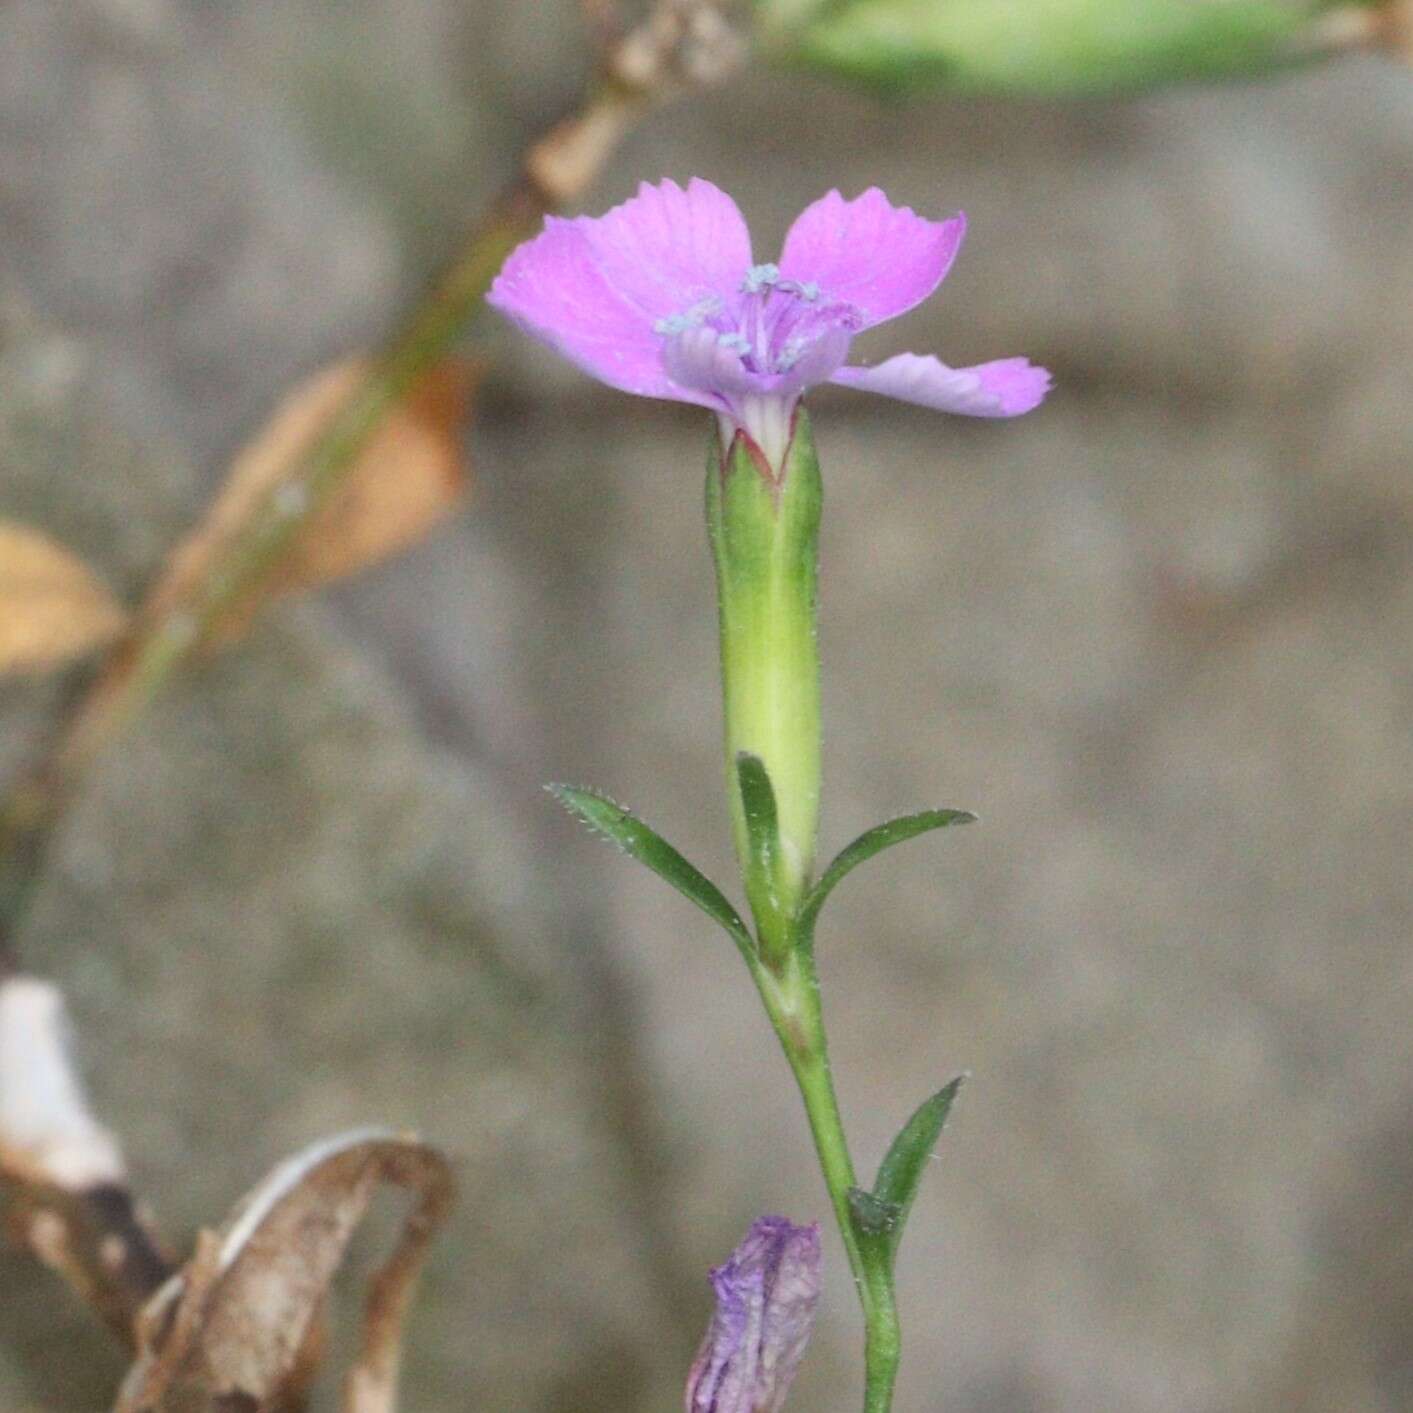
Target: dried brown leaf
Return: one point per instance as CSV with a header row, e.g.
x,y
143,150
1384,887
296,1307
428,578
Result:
x,y
52,606
243,1325
411,476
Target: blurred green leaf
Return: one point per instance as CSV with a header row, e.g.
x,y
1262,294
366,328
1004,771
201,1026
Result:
x,y
1041,47
604,816
869,843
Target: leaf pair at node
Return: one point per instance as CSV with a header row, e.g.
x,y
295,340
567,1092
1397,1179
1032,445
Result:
x,y
879,1215
766,882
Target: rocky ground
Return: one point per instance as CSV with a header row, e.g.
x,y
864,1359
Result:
x,y
1159,635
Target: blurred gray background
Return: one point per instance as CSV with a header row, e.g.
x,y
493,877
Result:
x,y
1159,635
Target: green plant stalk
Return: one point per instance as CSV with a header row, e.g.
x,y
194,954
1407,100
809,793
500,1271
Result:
x,y
793,1003
643,67
764,528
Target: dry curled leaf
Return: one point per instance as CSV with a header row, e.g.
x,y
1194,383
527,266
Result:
x,y
407,479
242,1326
52,606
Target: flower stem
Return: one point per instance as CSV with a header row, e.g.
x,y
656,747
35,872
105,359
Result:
x,y
793,1003
764,525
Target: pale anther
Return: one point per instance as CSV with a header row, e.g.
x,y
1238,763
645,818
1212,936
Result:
x,y
760,277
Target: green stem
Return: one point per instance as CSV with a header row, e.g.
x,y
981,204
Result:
x,y
793,1003
764,526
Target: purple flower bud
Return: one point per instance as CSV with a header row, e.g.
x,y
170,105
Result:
x,y
766,1296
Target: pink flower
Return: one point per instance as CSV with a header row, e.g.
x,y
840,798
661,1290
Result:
x,y
661,297
766,1296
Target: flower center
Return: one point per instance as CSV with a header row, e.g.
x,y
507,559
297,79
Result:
x,y
770,323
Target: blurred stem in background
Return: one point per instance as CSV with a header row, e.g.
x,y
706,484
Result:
x,y
680,45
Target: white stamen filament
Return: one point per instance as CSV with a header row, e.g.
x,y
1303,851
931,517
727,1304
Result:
x,y
765,418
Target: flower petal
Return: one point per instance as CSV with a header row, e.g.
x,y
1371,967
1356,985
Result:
x,y
667,249
883,258
592,288
821,356
698,360
553,288
1005,387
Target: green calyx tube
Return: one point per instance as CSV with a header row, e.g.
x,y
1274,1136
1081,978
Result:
x,y
764,527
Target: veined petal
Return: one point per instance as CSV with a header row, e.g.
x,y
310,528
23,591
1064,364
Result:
x,y
1005,387
883,258
554,289
668,248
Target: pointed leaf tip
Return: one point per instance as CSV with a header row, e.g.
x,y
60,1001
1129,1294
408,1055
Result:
x,y
900,1173
621,827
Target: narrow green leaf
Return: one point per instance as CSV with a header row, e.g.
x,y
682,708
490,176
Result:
x,y
872,1218
871,842
623,828
902,1168
762,822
